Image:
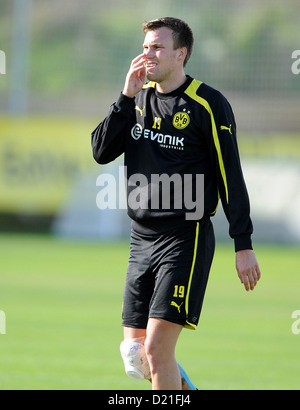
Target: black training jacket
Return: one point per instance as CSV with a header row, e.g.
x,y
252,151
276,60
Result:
x,y
189,131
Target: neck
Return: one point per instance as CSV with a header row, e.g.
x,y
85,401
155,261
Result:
x,y
171,84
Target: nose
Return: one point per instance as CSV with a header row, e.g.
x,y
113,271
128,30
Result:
x,y
148,53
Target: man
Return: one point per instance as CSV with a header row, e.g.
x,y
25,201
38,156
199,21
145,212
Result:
x,y
176,126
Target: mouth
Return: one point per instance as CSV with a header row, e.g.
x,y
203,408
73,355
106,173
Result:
x,y
150,65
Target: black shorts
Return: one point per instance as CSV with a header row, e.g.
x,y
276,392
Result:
x,y
167,275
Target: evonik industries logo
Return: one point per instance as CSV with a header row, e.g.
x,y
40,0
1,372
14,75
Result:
x,y
165,141
2,62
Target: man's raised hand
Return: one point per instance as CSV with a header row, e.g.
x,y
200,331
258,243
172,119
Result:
x,y
135,78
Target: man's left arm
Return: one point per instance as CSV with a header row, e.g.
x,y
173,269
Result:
x,y
233,191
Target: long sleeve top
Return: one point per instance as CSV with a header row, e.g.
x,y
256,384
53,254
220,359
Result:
x,y
188,132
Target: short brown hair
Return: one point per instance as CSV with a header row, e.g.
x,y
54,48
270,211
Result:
x,y
182,34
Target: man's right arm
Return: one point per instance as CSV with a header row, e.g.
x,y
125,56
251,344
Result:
x,y
108,139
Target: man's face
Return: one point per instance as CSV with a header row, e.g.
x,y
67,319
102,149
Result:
x,y
161,58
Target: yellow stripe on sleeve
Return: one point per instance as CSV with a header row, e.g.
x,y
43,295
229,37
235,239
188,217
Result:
x,y
191,91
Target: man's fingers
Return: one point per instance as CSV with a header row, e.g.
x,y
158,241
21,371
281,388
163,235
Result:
x,y
139,60
135,77
245,282
258,272
137,66
250,279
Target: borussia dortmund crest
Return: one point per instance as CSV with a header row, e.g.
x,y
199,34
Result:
x,y
181,120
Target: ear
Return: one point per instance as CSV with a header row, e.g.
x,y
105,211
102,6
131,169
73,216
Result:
x,y
182,53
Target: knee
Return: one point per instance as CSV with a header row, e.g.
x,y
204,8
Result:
x,y
160,343
157,355
135,359
151,348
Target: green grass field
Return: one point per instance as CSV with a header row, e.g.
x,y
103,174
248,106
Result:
x,y
62,302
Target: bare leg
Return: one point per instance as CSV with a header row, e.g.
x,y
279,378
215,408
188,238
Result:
x,y
132,333
160,346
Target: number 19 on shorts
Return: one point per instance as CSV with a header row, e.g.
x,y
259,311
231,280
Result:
x,y
178,291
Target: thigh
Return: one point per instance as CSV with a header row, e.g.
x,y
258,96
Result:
x,y
134,333
139,284
182,276
198,279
